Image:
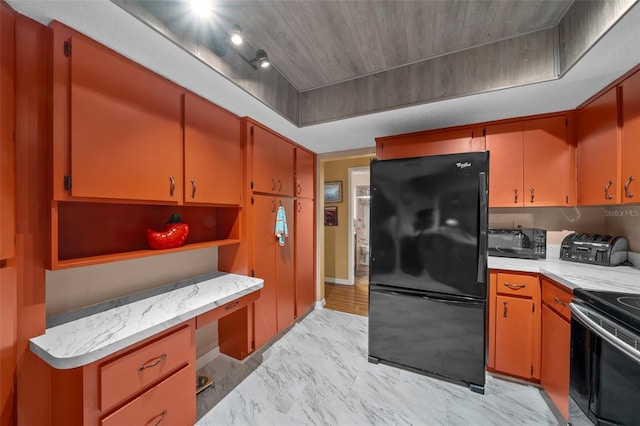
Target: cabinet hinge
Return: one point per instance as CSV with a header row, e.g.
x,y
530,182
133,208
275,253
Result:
x,y
251,184
484,132
251,131
566,199
252,200
532,370
472,134
533,307
67,48
566,122
67,183
253,273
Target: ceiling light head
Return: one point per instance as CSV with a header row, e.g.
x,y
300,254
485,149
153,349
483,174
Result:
x,y
201,8
235,35
262,58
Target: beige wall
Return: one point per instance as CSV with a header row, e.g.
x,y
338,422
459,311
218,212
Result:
x,y
336,243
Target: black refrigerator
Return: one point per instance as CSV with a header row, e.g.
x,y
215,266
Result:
x,y
428,265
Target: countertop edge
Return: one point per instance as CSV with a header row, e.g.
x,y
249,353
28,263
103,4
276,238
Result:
x,y
74,361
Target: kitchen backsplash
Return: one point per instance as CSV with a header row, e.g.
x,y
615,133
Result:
x,y
559,221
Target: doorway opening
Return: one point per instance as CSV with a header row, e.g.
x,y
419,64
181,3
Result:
x,y
359,203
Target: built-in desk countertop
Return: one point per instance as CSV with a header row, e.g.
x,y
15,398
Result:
x,y
82,337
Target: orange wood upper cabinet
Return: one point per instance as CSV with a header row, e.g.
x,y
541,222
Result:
x,y
428,143
273,161
212,153
7,130
506,174
556,344
126,133
597,130
304,255
514,325
305,165
530,163
631,139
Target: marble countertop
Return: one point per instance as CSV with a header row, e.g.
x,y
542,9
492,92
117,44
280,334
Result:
x,y
624,279
98,332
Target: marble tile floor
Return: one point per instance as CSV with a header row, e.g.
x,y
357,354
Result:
x,y
318,374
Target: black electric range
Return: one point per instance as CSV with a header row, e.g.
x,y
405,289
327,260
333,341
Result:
x,y
624,307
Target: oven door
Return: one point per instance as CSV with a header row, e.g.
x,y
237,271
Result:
x,y
605,368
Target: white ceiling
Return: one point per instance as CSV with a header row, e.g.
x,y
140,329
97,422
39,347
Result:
x,y
616,53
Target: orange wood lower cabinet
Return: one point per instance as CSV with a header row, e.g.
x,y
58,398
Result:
x,y
514,325
556,344
134,386
162,404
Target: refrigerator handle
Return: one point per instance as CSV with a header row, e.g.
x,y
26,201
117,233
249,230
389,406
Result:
x,y
482,228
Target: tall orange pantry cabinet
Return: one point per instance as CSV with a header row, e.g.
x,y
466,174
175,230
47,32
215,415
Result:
x,y
288,266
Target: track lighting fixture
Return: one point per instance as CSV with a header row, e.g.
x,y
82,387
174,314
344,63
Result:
x,y
233,38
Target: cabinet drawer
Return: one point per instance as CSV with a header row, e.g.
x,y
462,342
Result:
x,y
518,285
127,375
557,298
171,402
226,309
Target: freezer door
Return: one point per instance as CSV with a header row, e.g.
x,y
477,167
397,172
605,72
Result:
x,y
441,336
429,223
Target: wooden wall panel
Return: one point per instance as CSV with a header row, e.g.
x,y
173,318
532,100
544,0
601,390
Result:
x,y
522,60
33,136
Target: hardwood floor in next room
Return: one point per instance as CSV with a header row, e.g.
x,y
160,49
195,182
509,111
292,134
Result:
x,y
352,299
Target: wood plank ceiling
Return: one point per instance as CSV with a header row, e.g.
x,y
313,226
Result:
x,y
323,42
334,59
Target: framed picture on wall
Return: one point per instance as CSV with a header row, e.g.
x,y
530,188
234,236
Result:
x,y
331,216
333,192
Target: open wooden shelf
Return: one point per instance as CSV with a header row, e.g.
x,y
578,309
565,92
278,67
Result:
x,y
85,234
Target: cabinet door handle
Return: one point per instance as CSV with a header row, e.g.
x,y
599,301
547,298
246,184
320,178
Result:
x,y
299,207
504,313
299,189
153,362
606,190
533,193
226,308
193,188
560,302
514,286
162,416
515,196
626,187
273,184
172,186
279,185
273,209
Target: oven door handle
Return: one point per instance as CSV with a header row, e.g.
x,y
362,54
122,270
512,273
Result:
x,y
603,333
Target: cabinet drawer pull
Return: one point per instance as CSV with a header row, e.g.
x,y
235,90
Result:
x,y
515,196
193,188
533,193
162,416
556,300
626,187
172,186
514,286
273,209
279,185
606,190
155,362
231,306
